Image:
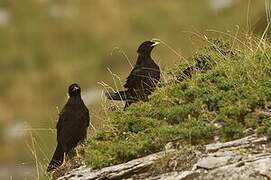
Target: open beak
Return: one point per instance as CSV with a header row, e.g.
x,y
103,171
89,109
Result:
x,y
154,43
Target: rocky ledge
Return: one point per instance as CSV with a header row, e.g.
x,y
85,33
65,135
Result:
x,y
246,158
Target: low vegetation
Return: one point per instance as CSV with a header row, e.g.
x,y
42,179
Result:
x,y
218,92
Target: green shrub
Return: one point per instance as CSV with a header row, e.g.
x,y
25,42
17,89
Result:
x,y
231,130
265,127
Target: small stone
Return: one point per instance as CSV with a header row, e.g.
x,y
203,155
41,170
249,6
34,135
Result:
x,y
169,146
219,124
240,164
249,131
216,138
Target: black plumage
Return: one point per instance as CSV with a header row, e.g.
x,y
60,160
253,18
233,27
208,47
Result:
x,y
142,80
71,126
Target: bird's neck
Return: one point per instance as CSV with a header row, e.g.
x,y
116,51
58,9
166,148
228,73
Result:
x,y
77,96
143,57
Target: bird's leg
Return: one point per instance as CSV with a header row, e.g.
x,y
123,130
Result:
x,y
77,153
64,160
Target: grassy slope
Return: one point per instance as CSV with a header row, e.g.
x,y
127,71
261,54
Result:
x,y
219,85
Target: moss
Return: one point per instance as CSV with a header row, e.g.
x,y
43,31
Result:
x,y
221,84
231,130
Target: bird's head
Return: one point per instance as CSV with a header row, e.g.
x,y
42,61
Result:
x,y
74,90
146,47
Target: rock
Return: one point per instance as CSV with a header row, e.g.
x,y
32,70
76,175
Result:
x,y
212,162
249,140
249,132
120,171
263,166
219,124
185,175
256,170
169,146
246,158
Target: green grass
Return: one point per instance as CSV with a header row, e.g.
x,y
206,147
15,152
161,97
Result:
x,y
221,84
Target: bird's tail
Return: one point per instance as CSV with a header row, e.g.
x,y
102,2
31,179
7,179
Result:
x,y
121,95
57,159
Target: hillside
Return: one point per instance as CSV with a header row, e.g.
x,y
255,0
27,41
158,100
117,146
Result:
x,y
221,86
218,95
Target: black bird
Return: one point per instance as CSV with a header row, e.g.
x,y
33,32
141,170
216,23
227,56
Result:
x,y
71,126
142,80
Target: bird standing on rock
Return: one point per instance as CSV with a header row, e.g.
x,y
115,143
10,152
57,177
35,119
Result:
x,y
142,80
71,126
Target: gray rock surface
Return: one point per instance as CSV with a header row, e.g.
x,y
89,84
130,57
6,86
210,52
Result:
x,y
212,162
118,171
185,175
248,158
256,170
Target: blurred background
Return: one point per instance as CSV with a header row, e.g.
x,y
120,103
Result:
x,y
45,45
